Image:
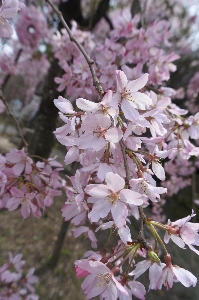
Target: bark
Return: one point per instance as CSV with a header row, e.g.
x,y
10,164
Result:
x,y
72,10
44,123
135,7
58,245
101,12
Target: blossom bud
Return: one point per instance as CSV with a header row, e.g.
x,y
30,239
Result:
x,y
153,256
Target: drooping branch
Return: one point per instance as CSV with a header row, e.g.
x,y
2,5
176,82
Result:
x,y
6,79
125,162
15,120
90,62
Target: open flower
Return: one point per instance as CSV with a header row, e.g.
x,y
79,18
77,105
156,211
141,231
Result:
x,y
128,97
173,274
183,232
100,281
113,198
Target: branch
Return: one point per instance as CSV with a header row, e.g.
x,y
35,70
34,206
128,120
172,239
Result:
x,y
141,238
6,79
15,120
128,176
109,22
90,62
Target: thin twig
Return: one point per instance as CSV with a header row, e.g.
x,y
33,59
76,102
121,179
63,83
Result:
x,y
141,238
15,120
6,79
128,176
90,62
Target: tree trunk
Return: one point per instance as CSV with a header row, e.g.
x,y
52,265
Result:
x,y
44,122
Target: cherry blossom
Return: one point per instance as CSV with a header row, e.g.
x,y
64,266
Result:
x,y
100,281
8,10
111,198
183,232
128,96
176,274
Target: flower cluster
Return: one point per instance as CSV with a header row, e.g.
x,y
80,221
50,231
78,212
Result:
x,y
14,284
28,185
8,11
119,141
119,163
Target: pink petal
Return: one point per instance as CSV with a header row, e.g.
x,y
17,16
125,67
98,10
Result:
x,y
97,190
119,286
114,182
114,135
158,170
131,197
137,84
16,192
137,289
185,277
72,155
100,210
130,112
18,168
119,212
87,105
121,81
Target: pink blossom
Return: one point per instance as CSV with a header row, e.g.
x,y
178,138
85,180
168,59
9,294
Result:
x,y
183,232
8,10
104,106
143,187
20,160
87,232
98,132
100,281
176,274
23,198
128,96
31,26
155,271
133,288
113,198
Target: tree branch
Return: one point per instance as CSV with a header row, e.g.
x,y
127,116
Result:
x,y
15,120
90,62
128,176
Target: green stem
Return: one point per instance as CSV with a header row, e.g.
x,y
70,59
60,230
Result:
x,y
162,226
134,254
157,237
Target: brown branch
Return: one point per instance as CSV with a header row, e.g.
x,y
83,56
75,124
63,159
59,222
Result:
x,y
15,120
141,238
128,176
90,62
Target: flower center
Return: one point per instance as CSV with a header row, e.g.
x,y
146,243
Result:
x,y
99,132
113,198
104,277
126,94
1,21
